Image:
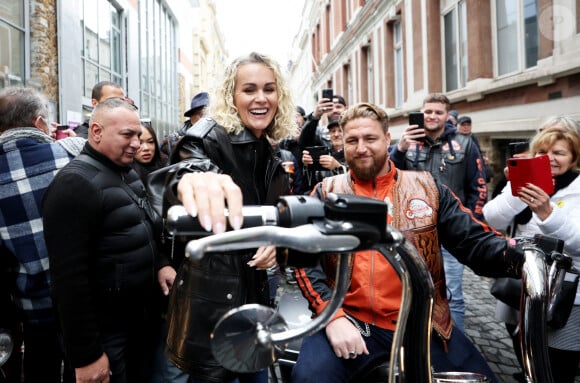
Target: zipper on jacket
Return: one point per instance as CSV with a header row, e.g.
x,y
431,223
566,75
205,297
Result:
x,y
372,277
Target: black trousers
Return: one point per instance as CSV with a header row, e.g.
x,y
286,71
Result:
x,y
43,356
130,350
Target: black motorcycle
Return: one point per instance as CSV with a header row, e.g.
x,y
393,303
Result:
x,y
253,337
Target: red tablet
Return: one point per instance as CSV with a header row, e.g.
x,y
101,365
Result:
x,y
534,170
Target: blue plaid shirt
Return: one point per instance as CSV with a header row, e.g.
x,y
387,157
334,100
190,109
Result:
x,y
27,166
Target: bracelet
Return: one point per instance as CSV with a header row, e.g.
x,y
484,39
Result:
x,y
366,332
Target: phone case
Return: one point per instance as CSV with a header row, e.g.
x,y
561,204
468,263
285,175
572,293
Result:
x,y
327,93
534,170
417,118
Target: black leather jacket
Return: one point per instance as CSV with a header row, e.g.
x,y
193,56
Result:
x,y
228,280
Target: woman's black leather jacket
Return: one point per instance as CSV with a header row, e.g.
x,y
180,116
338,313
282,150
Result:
x,y
253,166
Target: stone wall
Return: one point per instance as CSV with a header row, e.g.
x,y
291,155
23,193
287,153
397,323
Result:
x,y
44,47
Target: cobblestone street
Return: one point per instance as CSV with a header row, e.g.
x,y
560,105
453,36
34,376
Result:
x,y
485,331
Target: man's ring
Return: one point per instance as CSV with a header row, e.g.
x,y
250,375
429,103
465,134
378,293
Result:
x,y
352,354
532,200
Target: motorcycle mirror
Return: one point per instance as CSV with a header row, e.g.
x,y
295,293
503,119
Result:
x,y
241,339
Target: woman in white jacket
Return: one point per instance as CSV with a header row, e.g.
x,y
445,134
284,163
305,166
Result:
x,y
533,211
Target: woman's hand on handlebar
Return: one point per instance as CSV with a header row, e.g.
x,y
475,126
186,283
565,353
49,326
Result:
x,y
345,339
204,195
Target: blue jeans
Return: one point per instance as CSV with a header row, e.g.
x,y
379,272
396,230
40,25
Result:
x,y
454,282
164,371
317,362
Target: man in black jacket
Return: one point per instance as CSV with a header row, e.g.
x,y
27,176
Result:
x,y
454,160
101,238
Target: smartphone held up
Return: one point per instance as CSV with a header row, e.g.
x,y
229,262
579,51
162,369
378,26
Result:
x,y
60,131
417,119
535,170
327,93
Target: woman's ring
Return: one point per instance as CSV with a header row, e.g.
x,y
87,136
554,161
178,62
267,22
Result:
x,y
351,354
532,200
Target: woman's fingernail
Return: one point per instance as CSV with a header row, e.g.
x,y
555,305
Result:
x,y
206,222
237,222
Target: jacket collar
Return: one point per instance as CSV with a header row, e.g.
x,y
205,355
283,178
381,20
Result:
x,y
92,152
244,137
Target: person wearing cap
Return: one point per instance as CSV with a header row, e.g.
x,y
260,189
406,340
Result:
x,y
464,127
313,133
199,103
453,115
326,165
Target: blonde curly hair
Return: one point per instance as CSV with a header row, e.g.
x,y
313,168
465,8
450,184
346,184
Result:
x,y
225,113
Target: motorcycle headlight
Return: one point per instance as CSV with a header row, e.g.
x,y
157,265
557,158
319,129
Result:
x,y
6,346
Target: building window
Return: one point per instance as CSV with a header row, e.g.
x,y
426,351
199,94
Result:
x,y
455,45
158,66
101,55
398,56
12,39
516,35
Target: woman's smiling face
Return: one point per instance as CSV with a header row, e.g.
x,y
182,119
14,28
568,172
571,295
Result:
x,y
256,96
561,157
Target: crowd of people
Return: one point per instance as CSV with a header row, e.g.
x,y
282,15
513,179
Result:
x,y
87,266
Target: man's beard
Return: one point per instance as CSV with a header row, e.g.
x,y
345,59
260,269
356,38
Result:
x,y
368,173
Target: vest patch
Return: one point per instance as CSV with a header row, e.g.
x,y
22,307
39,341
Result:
x,y
456,146
418,208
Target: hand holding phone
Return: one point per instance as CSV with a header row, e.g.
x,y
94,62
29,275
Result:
x,y
417,118
60,131
535,170
315,152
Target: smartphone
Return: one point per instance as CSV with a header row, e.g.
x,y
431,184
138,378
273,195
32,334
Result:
x,y
518,147
327,93
59,131
535,170
315,152
416,118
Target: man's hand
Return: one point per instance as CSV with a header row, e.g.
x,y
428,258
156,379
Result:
x,y
307,158
328,162
204,195
324,106
166,277
345,339
264,258
412,135
96,372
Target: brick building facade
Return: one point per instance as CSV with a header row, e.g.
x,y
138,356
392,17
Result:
x,y
508,64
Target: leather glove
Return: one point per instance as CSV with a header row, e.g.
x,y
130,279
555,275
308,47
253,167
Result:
x,y
514,258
